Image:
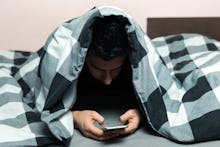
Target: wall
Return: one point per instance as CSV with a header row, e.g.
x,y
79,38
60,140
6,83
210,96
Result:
x,y
26,24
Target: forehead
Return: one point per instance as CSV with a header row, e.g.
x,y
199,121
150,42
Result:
x,y
100,63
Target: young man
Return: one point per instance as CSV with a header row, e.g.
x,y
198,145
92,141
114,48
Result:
x,y
106,81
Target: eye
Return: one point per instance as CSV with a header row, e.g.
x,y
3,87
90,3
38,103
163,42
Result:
x,y
115,71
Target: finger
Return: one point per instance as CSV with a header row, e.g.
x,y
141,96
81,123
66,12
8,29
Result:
x,y
95,130
106,133
90,135
97,117
109,136
106,136
126,116
130,129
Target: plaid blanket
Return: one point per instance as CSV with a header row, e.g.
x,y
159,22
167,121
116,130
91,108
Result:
x,y
176,84
189,88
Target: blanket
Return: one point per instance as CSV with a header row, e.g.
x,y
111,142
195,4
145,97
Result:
x,y
188,109
175,80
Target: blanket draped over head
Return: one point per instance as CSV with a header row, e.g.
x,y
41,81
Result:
x,y
176,80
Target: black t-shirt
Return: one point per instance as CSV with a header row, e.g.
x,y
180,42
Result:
x,y
92,94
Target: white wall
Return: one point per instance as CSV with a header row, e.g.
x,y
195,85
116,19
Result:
x,y
26,24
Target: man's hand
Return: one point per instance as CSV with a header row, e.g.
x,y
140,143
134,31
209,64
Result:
x,y
84,120
133,118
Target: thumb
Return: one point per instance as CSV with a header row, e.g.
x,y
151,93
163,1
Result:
x,y
125,117
97,117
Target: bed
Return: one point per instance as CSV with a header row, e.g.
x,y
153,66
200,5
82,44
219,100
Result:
x,y
146,136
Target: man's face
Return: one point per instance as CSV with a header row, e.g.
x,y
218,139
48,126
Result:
x,y
105,71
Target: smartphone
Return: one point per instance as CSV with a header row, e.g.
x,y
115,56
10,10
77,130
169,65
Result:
x,y
114,128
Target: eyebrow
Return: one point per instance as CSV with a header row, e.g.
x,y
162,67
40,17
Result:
x,y
104,69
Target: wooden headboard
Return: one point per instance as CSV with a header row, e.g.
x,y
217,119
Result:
x,y
209,26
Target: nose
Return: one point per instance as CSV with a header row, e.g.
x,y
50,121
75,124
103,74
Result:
x,y
107,78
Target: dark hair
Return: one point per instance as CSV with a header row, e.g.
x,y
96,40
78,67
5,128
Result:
x,y
109,38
